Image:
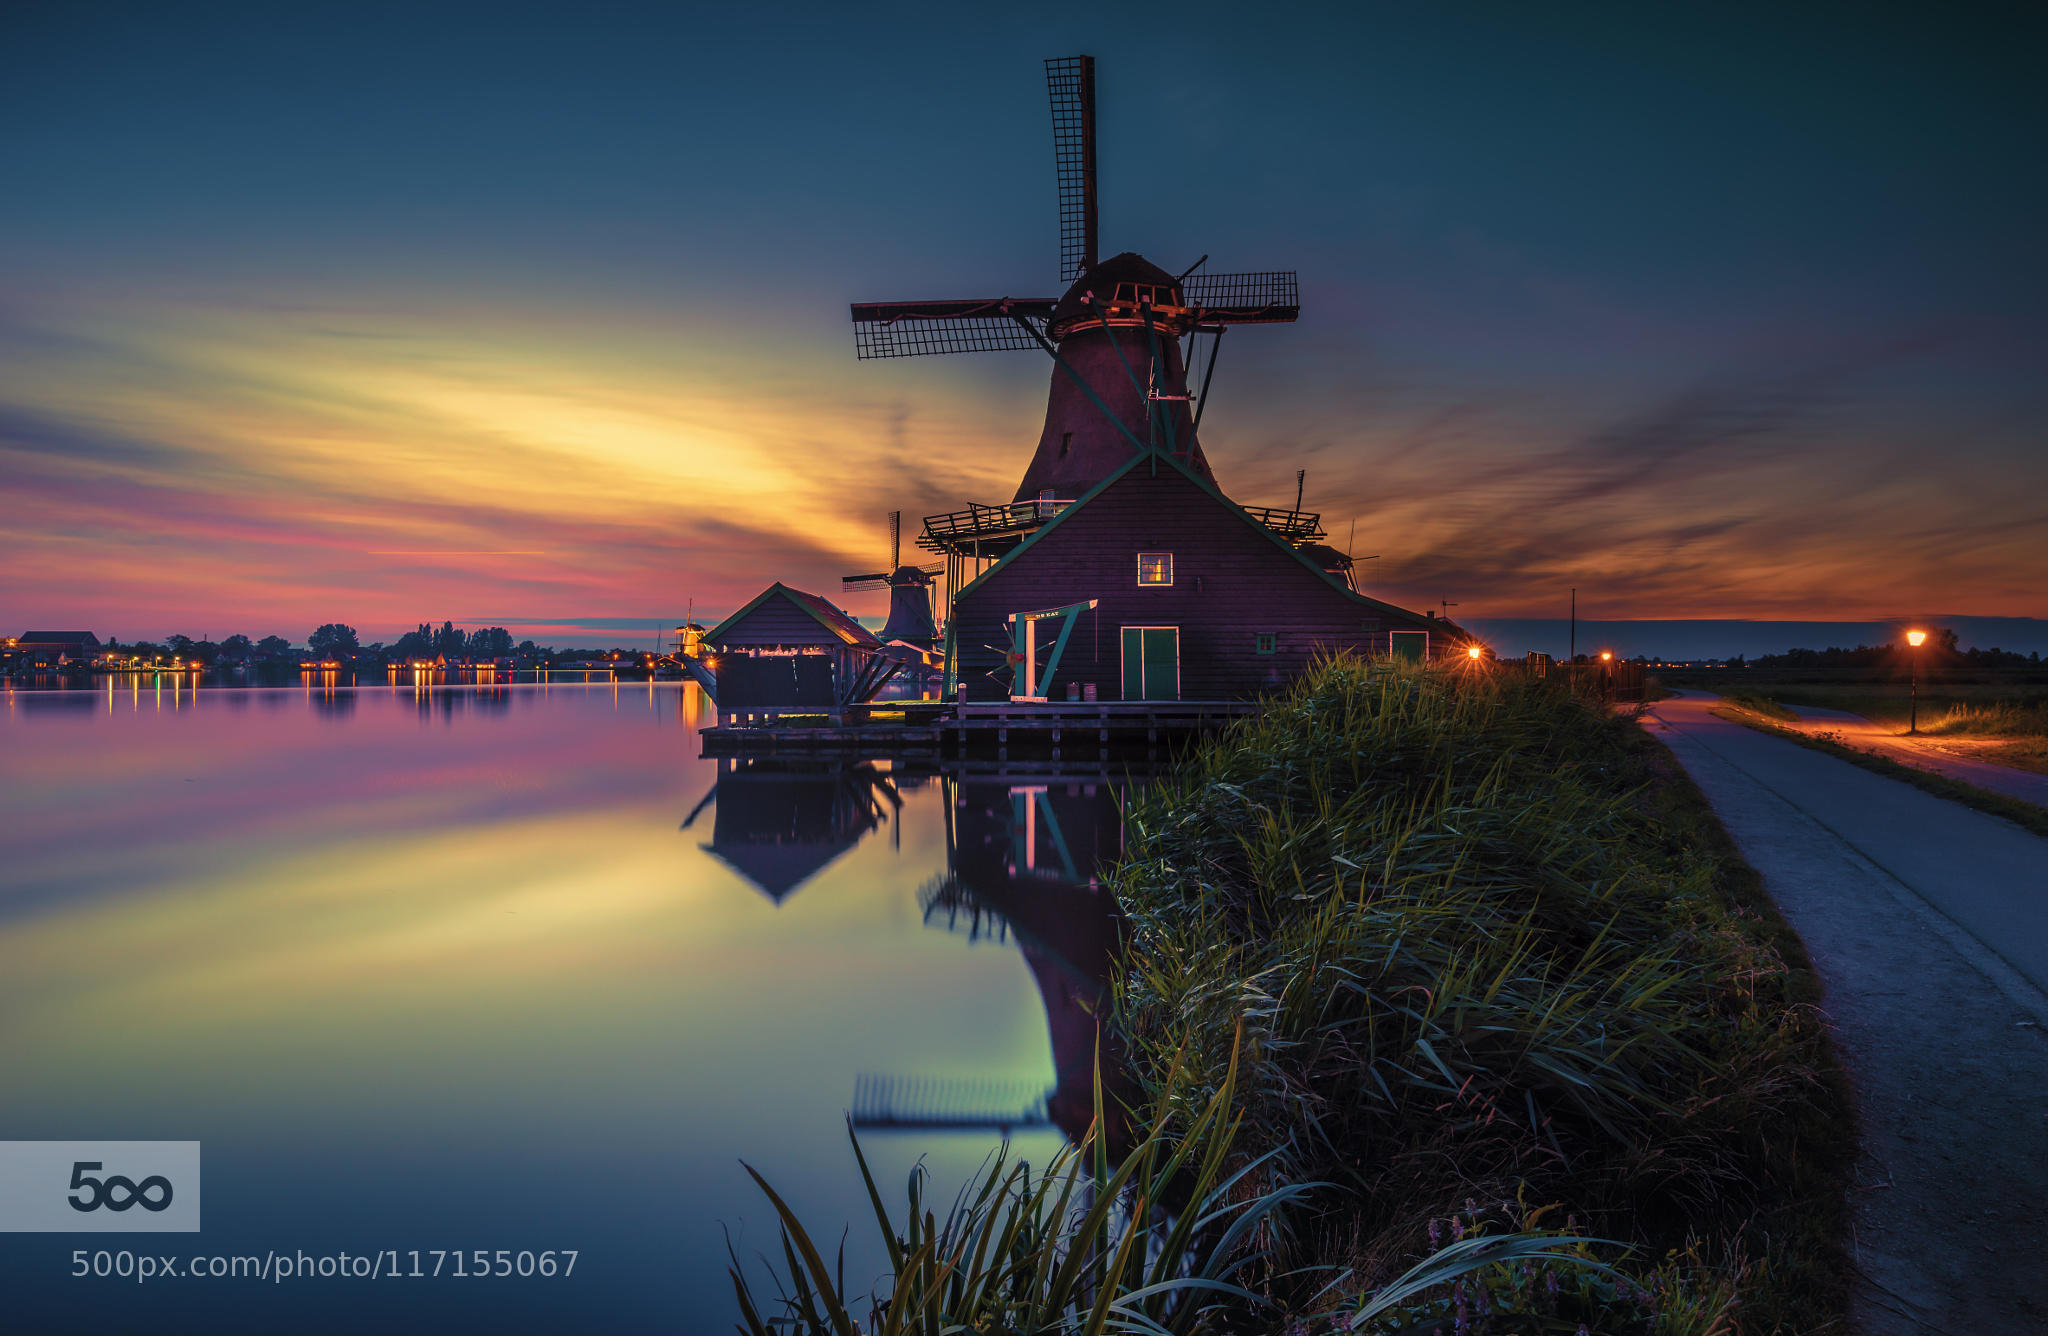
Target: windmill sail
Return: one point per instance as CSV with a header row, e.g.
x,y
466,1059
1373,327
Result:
x,y
1071,82
1120,335
976,325
1271,297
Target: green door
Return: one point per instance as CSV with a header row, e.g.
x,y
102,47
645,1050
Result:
x,y
1134,663
1151,663
1410,645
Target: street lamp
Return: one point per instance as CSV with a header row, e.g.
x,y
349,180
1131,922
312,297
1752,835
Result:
x,y
1915,639
1473,652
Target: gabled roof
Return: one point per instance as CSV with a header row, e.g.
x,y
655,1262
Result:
x,y
842,627
1164,458
776,870
58,637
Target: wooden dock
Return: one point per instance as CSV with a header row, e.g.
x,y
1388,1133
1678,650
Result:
x,y
1056,730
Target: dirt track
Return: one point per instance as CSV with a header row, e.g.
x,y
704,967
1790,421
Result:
x,y
1928,923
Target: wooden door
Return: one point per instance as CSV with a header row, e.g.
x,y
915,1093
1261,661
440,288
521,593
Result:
x,y
1151,662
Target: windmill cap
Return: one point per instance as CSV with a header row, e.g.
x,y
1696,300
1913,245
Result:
x,y
1125,278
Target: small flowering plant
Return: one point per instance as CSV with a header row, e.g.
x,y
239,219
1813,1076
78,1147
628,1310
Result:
x,y
1562,1290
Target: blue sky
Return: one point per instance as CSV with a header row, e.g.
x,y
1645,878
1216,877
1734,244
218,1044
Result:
x,y
403,312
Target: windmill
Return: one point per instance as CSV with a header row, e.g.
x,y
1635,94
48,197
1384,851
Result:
x,y
910,599
1119,381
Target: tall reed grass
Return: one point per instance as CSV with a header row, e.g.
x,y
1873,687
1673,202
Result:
x,y
1422,965
1466,943
1162,1244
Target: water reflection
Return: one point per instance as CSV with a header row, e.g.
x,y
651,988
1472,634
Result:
x,y
778,823
1023,854
435,969
1022,858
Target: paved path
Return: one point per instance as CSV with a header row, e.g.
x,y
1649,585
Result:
x,y
1946,756
1928,923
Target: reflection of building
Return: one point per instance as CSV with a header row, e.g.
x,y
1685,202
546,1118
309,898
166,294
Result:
x,y
780,823
1028,850
1021,861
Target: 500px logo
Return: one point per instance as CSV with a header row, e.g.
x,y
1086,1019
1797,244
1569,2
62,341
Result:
x,y
103,1190
64,1187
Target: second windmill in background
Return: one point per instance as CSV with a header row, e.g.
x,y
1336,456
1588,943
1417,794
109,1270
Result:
x,y
910,596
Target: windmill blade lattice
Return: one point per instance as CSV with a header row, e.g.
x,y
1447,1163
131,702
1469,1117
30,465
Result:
x,y
916,337
1268,297
1071,82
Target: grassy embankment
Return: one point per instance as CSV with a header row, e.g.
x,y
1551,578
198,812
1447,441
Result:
x,y
2003,721
1419,957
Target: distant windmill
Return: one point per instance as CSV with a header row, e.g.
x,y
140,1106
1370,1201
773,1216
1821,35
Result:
x,y
910,598
1120,381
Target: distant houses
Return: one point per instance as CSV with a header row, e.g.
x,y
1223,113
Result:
x,y
52,649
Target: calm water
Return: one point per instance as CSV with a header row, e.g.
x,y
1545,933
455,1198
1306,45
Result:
x,y
512,968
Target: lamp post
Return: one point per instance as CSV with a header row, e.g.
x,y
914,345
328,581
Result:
x,y
1914,639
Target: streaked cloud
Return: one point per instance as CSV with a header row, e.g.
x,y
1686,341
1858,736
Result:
x,y
263,468
431,325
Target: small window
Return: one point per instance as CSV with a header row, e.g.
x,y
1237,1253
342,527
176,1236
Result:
x,y
1066,443
1265,642
1155,568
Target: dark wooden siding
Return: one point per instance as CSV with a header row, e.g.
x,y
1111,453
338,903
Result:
x,y
777,622
1230,582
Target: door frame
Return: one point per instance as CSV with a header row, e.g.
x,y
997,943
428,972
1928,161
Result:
x,y
1122,675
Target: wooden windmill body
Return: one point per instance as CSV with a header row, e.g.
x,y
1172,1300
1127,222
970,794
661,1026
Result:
x,y
1124,338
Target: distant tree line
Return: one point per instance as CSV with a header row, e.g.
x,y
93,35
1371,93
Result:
x,y
338,641
1940,651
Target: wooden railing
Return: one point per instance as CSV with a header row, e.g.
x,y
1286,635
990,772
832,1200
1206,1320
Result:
x,y
1295,526
978,520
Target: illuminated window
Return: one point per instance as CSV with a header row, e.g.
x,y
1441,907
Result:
x,y
1155,568
1265,642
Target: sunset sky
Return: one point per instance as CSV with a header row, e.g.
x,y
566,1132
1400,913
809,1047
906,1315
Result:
x,y
530,315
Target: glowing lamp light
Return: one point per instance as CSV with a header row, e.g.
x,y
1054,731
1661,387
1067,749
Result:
x,y
1606,654
1916,638
1472,652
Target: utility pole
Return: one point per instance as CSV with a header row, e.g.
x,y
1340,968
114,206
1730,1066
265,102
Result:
x,y
1573,655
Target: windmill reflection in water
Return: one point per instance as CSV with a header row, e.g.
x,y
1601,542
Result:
x,y
1022,854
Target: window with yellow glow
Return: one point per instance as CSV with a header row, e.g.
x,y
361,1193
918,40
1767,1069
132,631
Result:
x,y
1155,568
